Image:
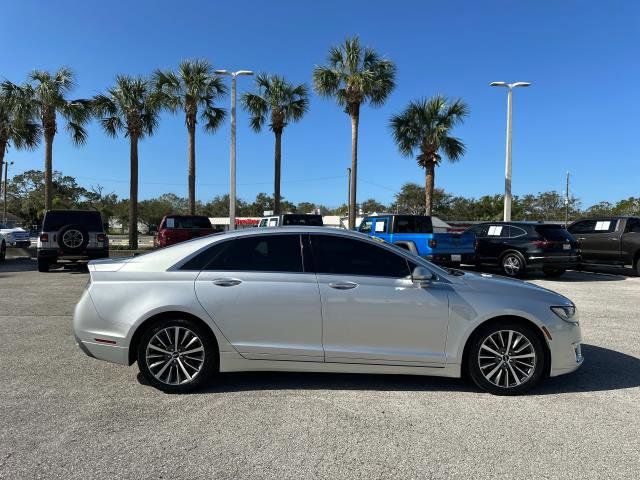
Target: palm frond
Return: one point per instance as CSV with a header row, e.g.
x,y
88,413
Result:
x,y
212,118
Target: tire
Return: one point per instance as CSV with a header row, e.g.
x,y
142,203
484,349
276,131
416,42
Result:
x,y
638,265
513,264
3,251
553,272
488,370
73,238
170,373
43,265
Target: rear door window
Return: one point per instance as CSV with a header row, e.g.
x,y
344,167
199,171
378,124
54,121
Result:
x,y
413,224
498,231
516,232
347,256
255,253
633,225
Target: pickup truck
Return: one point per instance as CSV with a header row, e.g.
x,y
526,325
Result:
x,y
178,228
609,240
415,233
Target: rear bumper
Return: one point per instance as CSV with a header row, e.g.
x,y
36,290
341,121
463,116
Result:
x,y
88,254
448,259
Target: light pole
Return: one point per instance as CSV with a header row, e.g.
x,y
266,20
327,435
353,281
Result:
x,y
507,166
232,180
6,171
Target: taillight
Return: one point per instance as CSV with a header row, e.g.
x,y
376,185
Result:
x,y
542,243
101,237
44,237
433,243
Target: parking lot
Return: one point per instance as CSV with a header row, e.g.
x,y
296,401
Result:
x,y
65,415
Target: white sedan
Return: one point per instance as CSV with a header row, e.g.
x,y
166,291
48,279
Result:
x,y
314,299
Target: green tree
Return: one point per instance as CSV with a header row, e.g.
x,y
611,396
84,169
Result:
x,y
371,205
131,107
283,103
305,207
425,125
17,125
354,75
193,87
47,95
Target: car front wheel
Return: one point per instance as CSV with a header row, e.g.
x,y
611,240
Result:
x,y
43,265
177,355
506,359
3,251
512,264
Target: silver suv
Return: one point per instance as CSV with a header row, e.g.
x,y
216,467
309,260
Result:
x,y
71,235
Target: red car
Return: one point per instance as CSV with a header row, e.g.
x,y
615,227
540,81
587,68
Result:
x,y
178,228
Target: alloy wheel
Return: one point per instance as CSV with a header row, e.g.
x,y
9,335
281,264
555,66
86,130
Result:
x,y
511,265
175,355
507,358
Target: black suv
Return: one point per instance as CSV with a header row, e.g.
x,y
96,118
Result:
x,y
519,246
71,235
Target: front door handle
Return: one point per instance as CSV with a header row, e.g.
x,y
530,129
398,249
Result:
x,y
226,282
343,285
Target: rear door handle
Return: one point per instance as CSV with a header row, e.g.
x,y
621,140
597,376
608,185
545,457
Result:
x,y
226,282
343,285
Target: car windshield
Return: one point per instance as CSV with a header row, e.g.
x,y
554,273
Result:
x,y
187,222
554,232
92,221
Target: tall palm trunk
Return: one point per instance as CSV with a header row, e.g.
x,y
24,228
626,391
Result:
x,y
191,127
48,171
277,169
355,120
430,172
133,194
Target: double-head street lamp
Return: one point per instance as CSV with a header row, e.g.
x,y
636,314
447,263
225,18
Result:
x,y
507,167
6,174
232,182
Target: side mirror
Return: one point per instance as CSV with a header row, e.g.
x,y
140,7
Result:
x,y
422,276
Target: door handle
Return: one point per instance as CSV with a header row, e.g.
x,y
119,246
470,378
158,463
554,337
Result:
x,y
226,282
343,285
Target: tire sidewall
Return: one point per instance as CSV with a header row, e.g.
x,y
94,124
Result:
x,y
520,259
476,375
85,239
3,251
211,355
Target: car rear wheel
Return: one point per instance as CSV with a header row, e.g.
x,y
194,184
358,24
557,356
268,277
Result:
x,y
513,264
553,272
177,355
3,251
43,265
506,359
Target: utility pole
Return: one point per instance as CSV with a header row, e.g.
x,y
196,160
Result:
x,y
232,153
566,204
348,185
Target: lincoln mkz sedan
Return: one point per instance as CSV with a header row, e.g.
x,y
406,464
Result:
x,y
313,299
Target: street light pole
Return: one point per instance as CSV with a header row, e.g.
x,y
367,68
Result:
x,y
232,160
348,186
507,165
6,171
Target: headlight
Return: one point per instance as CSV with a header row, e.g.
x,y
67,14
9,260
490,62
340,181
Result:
x,y
566,313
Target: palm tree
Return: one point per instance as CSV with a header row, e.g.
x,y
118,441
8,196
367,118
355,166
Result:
x,y
193,86
17,125
47,94
132,107
354,75
283,102
426,125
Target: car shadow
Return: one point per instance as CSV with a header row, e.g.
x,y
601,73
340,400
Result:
x,y
604,369
600,275
16,265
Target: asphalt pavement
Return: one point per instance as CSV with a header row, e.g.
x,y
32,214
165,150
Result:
x,y
65,415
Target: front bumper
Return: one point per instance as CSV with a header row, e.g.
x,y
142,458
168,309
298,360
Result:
x,y
20,243
565,347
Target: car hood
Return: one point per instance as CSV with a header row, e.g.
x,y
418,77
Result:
x,y
496,284
6,231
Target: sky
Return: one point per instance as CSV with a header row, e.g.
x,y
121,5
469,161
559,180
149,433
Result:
x,y
581,114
